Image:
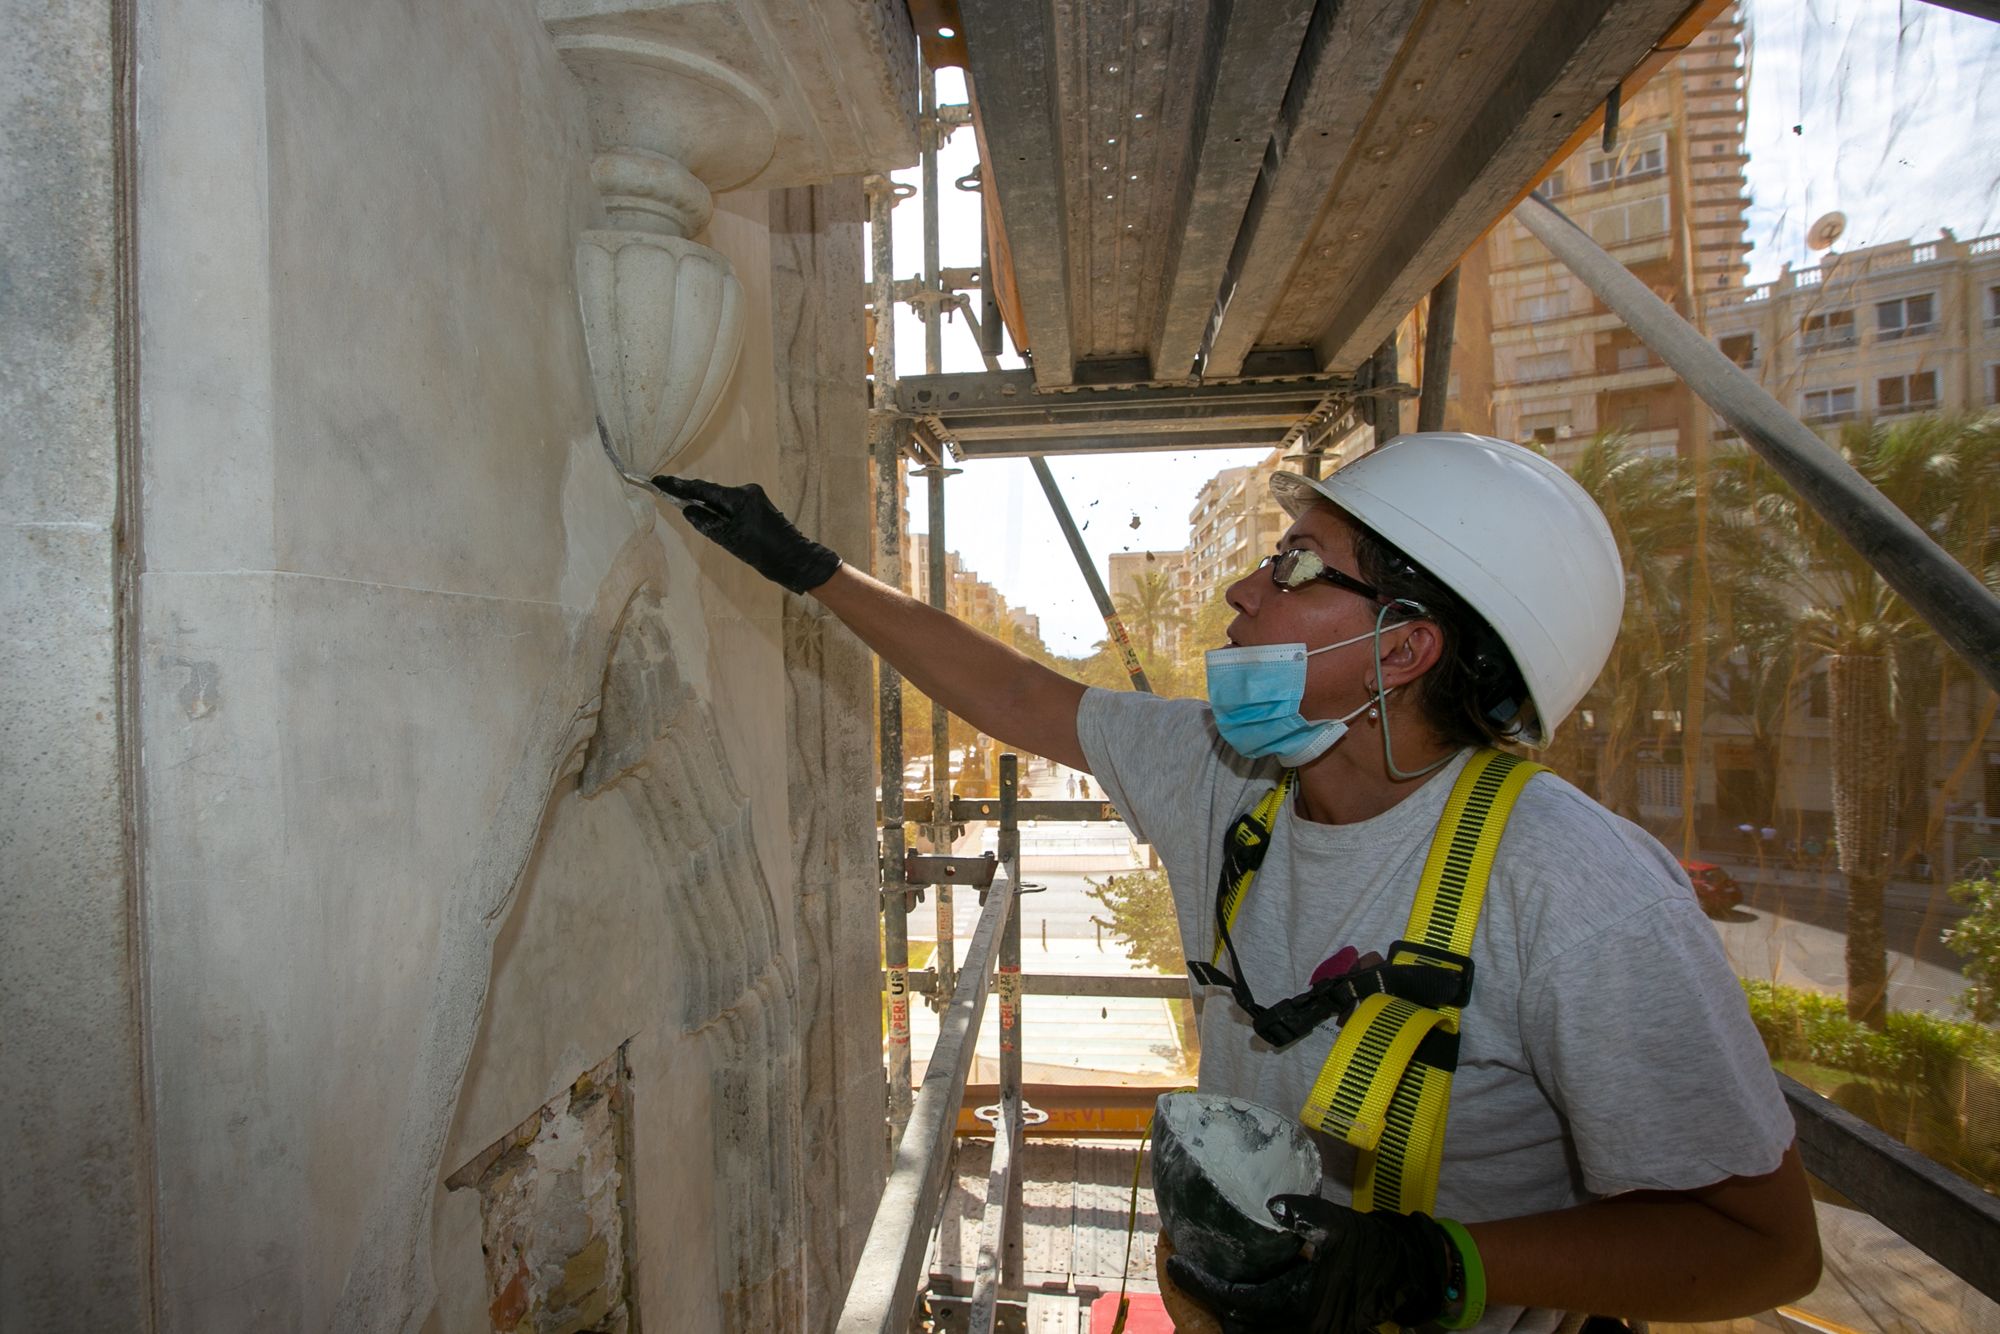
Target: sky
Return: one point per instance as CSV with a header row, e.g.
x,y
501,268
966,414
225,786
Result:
x,y
1882,109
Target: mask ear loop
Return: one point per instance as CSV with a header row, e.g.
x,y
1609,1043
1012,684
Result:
x,y
1415,610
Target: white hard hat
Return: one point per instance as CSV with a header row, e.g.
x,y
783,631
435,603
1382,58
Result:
x,y
1505,529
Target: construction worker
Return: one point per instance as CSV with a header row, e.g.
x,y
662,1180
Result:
x,y
1618,1143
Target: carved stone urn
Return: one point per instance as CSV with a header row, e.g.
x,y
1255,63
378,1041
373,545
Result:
x,y
662,314
689,98
663,324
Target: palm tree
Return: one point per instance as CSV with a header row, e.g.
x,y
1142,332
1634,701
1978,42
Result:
x,y
1151,610
1649,502
1755,672
1941,472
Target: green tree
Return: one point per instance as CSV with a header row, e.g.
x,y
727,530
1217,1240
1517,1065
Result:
x,y
1941,472
1151,610
1207,628
1976,939
1649,502
1755,668
1141,913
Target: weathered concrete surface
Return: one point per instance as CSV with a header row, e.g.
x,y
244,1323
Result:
x,y
462,766
73,1190
823,480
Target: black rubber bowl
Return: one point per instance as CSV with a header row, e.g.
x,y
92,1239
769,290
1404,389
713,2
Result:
x,y
1216,1160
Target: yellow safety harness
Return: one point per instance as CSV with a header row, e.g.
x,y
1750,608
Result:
x,y
1386,1086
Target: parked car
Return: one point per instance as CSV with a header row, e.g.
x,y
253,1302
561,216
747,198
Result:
x,y
1714,888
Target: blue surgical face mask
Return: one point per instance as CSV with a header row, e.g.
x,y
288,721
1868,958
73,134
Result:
x,y
1256,692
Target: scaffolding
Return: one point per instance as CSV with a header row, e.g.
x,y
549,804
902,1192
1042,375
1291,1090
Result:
x,y
1277,400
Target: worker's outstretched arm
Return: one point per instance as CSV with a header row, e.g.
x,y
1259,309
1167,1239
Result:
x,y
999,691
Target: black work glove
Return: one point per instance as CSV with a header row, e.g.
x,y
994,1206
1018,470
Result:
x,y
743,521
1363,1270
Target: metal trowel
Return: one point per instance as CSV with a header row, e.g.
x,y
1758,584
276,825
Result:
x,y
634,479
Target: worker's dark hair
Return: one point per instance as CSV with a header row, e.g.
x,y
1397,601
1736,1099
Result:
x,y
1475,695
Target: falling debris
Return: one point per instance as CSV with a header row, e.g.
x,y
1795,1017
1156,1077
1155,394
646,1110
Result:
x,y
1135,521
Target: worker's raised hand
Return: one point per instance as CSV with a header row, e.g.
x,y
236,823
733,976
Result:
x,y
743,521
1358,1271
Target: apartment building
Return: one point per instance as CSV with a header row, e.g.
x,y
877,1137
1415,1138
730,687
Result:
x,y
1233,524
1669,201
1878,332
967,596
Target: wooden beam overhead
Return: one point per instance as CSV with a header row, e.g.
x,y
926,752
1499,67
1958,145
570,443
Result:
x,y
1010,54
1344,58
1423,223
1248,47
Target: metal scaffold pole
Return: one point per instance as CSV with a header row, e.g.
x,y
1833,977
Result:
x,y
886,445
1012,1106
1963,611
1441,319
940,829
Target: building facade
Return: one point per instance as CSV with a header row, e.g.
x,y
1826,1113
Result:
x,y
1669,201
1233,524
1879,332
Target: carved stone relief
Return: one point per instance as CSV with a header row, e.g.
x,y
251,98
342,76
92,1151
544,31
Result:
x,y
658,751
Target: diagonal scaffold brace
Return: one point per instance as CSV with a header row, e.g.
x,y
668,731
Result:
x,y
1077,549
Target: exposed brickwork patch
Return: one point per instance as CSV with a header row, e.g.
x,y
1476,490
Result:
x,y
554,1213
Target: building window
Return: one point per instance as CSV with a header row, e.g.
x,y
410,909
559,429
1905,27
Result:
x,y
1635,358
1916,392
1993,307
1552,188
1905,317
1624,223
1541,306
1741,349
1829,405
1638,160
1993,383
1545,428
1543,366
1831,328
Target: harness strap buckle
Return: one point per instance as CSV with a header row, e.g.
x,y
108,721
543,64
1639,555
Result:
x,y
1433,957
1290,1019
1244,847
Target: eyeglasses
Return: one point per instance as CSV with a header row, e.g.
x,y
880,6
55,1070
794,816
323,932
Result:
x,y
1294,569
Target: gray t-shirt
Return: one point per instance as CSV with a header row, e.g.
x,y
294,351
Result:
x,y
1607,1046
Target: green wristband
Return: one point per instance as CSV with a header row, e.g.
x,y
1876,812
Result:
x,y
1472,1302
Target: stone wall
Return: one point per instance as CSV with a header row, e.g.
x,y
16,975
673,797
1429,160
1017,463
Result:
x,y
823,467
73,1179
462,766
